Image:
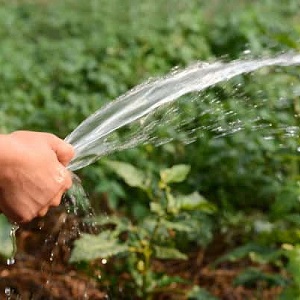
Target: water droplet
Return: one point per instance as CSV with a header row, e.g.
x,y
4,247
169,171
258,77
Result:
x,y
51,256
10,261
8,292
268,138
292,131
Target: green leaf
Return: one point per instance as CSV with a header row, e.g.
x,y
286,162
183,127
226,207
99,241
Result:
x,y
168,253
157,208
256,253
195,201
177,173
198,293
103,245
176,225
293,256
293,218
251,276
6,247
292,292
166,280
121,224
131,175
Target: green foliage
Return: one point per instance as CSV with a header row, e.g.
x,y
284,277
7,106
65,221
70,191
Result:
x,y
155,237
168,253
91,247
252,276
6,248
194,201
131,175
198,293
293,255
257,253
59,65
62,60
175,174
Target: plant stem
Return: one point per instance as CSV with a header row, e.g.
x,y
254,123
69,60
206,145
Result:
x,y
146,272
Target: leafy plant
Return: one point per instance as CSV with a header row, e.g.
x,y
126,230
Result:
x,y
153,237
293,289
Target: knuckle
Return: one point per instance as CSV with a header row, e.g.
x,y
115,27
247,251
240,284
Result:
x,y
71,151
43,213
50,135
68,181
26,218
61,175
28,215
68,184
56,201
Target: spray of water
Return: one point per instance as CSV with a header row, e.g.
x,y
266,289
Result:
x,y
12,234
93,137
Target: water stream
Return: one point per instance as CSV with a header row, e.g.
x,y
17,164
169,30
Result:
x,y
94,138
11,260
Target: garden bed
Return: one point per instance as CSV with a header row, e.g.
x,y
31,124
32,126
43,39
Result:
x,y
42,271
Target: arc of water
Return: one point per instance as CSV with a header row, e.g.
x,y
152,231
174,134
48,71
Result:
x,y
90,137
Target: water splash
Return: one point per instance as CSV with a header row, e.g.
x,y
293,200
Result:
x,y
94,138
12,234
77,201
8,293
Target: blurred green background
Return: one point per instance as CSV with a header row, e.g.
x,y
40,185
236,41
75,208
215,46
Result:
x,y
60,61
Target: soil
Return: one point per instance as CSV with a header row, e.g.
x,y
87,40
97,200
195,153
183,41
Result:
x,y
42,271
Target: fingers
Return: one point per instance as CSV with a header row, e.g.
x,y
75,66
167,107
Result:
x,y
54,203
68,180
66,177
64,151
66,185
43,212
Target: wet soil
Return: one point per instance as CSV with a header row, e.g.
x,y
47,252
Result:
x,y
42,271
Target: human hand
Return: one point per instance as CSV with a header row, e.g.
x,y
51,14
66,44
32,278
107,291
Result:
x,y
33,173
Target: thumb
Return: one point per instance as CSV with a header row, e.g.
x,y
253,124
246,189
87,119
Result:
x,y
64,151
